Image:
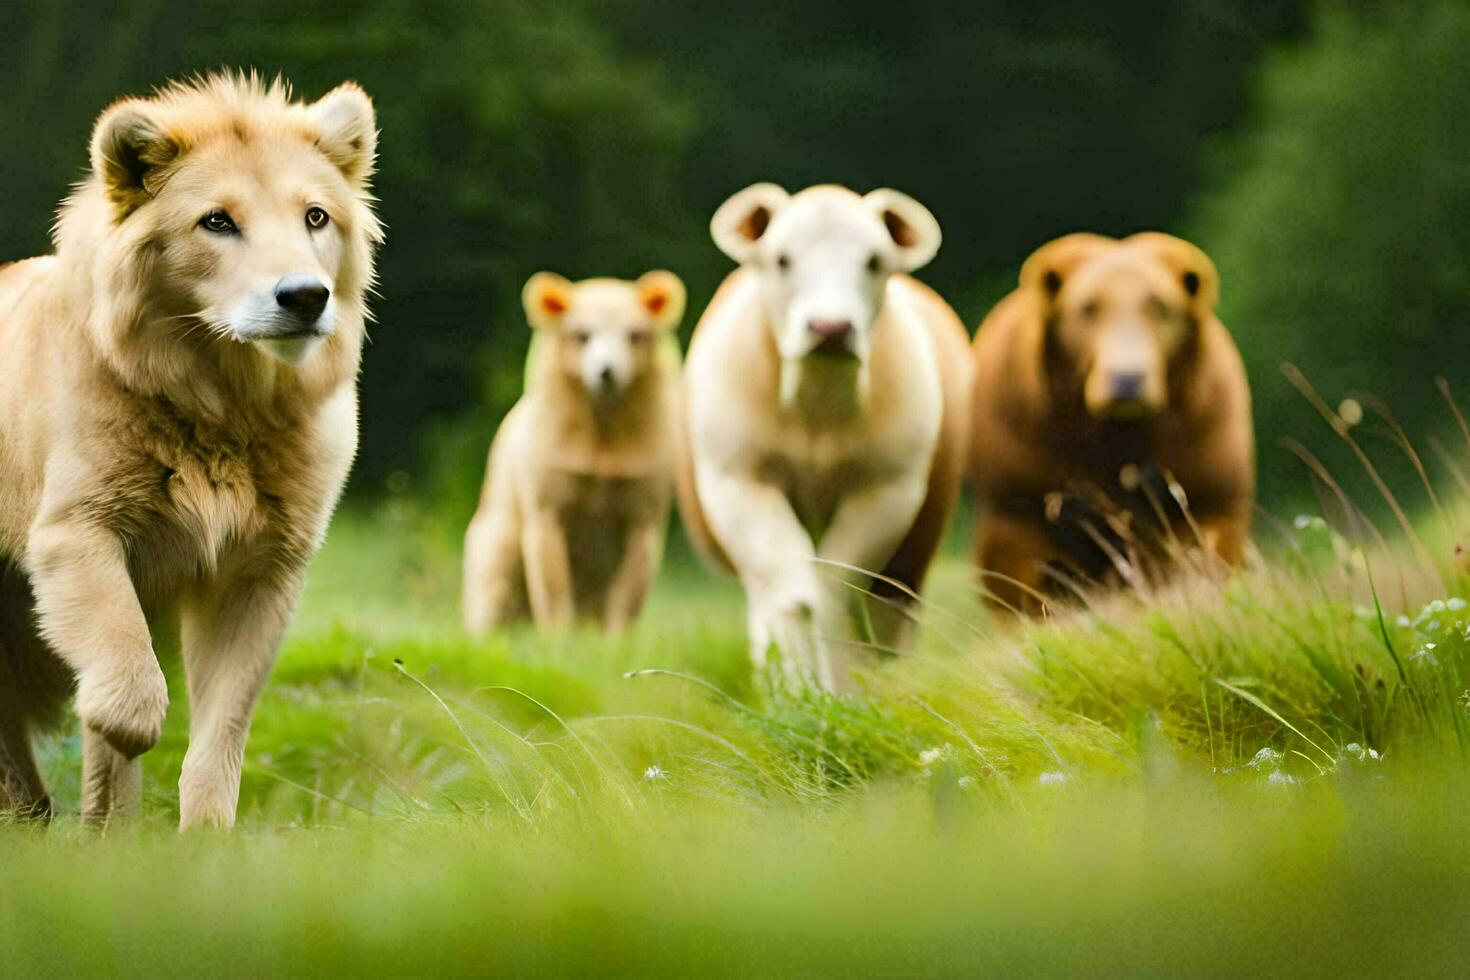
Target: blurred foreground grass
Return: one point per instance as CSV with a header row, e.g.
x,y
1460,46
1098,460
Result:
x,y
1264,775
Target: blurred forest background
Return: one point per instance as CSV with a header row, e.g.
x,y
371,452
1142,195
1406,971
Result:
x,y
1319,151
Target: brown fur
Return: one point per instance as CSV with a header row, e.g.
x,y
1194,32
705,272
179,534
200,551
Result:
x,y
578,488
1049,456
155,469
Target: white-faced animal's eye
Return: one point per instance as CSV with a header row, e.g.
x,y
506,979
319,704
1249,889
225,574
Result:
x,y
219,222
875,264
639,338
783,262
1091,309
579,337
316,218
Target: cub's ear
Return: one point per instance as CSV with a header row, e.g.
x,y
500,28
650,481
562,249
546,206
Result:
x,y
347,131
131,149
914,230
1193,267
741,221
1050,265
547,297
662,295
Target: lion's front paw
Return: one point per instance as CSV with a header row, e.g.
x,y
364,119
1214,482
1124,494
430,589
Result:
x,y
125,705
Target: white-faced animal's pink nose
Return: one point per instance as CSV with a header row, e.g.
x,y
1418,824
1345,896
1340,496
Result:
x,y
829,329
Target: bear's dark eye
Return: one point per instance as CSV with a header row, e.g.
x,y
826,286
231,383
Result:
x,y
783,262
1091,309
874,263
316,218
219,222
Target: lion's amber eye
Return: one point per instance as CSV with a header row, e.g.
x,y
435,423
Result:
x,y
316,218
219,222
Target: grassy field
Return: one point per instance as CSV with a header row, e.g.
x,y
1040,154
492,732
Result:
x,y
1268,774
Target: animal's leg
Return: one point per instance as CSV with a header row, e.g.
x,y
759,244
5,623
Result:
x,y
1012,555
774,557
90,615
112,782
493,576
548,570
635,574
230,636
866,529
21,786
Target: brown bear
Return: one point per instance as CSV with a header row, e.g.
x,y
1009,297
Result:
x,y
1112,420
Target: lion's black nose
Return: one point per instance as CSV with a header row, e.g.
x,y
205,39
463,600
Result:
x,y
1128,387
303,296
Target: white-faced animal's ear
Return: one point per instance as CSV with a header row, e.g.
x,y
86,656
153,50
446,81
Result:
x,y
1192,266
662,295
347,131
741,221
1049,266
914,230
131,151
547,298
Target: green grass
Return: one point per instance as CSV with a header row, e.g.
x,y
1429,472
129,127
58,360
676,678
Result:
x,y
1267,774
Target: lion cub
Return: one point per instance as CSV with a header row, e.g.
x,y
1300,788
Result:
x,y
178,412
579,483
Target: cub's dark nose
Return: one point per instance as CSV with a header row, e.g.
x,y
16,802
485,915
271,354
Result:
x,y
303,296
606,377
1128,387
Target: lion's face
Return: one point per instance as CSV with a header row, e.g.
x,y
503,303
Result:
x,y
251,220
606,332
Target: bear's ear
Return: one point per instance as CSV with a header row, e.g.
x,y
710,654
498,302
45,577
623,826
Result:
x,y
547,298
347,131
131,149
914,230
1050,265
741,221
1195,271
662,295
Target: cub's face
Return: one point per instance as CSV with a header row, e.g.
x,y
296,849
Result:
x,y
255,225
824,258
606,332
1120,317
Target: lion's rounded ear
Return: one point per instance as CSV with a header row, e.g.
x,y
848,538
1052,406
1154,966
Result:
x,y
547,298
347,130
741,221
1049,266
662,295
131,147
913,228
1189,263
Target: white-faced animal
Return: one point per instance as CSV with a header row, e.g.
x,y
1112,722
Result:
x,y
579,482
826,397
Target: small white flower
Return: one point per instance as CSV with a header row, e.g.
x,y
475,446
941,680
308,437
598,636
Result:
x,y
1267,757
1456,604
655,772
930,756
1052,779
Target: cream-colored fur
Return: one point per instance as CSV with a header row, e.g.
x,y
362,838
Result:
x,y
826,396
177,417
577,490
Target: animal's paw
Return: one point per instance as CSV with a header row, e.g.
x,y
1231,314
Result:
x,y
125,704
